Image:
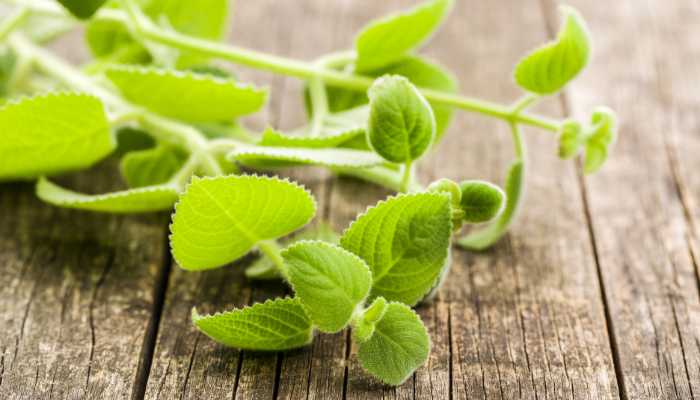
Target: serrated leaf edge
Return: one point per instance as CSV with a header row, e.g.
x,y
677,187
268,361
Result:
x,y
92,198
252,152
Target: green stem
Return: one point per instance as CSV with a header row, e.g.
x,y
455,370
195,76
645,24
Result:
x,y
13,21
407,177
271,249
381,176
180,179
319,105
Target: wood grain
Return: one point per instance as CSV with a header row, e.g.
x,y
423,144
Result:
x,y
639,223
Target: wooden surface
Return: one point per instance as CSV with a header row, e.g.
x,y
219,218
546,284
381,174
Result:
x,y
593,295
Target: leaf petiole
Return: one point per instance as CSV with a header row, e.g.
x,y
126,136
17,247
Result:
x,y
272,250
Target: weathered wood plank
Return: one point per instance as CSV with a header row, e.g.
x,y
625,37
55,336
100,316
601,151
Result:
x,y
526,319
638,220
76,296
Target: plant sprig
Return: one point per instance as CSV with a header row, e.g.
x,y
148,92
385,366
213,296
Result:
x,y
151,97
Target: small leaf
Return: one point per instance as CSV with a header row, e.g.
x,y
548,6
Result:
x,y
186,95
132,139
111,40
603,136
262,156
571,139
265,269
52,133
550,67
481,201
401,122
387,40
329,281
275,138
422,72
152,166
279,324
364,327
405,242
400,344
146,199
515,189
218,220
82,9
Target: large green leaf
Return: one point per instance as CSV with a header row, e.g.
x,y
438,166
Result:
x,y
401,122
420,71
151,166
218,220
550,67
330,282
186,95
387,40
52,133
146,199
279,324
405,242
262,156
399,345
82,8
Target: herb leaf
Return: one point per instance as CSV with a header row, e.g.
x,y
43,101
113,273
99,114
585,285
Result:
x,y
480,201
146,199
279,324
218,220
598,144
82,9
151,166
207,99
405,242
570,139
329,281
365,325
52,133
401,122
550,67
271,157
273,138
387,40
400,344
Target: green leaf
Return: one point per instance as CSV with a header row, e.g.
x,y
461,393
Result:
x,y
8,60
599,141
405,242
279,324
146,199
82,9
571,138
111,40
152,166
420,71
364,326
387,40
273,138
550,67
329,281
401,122
132,139
400,344
207,98
515,189
52,133
284,156
218,220
480,201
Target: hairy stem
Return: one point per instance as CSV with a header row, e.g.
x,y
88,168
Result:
x,y
13,21
407,177
272,250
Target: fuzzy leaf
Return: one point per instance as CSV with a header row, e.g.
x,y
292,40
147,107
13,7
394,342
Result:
x,y
364,326
571,139
323,274
480,201
514,188
405,242
146,199
152,166
602,138
400,344
218,220
186,95
284,156
550,67
420,71
279,324
387,40
273,138
82,9
52,133
401,122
